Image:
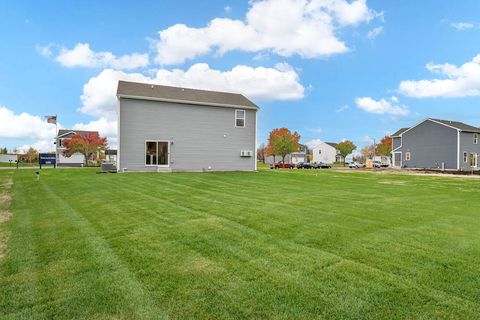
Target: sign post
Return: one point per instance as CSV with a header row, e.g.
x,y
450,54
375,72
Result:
x,y
47,158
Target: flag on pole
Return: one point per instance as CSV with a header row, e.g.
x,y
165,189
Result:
x,y
51,119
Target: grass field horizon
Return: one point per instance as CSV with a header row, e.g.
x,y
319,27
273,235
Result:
x,y
282,244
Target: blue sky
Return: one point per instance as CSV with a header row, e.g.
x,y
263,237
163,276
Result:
x,y
359,69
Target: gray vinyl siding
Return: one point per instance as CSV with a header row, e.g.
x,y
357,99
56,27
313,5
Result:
x,y
430,144
396,142
467,145
199,136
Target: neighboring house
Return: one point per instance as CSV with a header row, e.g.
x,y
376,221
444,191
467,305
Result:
x,y
164,128
77,159
437,144
295,157
111,155
8,158
326,152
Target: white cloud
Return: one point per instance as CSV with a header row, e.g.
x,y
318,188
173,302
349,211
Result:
x,y
460,26
366,139
375,32
227,9
279,83
82,56
341,109
40,146
313,143
456,82
382,106
105,127
285,27
24,126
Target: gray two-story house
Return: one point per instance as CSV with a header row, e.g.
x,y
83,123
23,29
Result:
x,y
437,144
163,128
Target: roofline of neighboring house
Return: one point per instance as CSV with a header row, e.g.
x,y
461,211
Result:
x,y
432,120
75,132
127,96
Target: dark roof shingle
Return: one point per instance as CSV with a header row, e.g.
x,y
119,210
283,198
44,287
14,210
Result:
x,y
332,144
166,93
458,125
399,132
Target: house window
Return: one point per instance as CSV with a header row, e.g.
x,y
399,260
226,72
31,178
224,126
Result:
x,y
320,151
475,138
407,156
156,153
465,157
240,118
473,160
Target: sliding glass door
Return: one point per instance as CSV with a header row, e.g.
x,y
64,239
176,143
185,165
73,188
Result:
x,y
156,153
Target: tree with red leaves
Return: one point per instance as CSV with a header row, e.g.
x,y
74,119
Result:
x,y
384,148
87,144
282,142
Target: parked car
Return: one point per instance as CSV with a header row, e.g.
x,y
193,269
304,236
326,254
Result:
x,y
355,164
321,165
304,165
377,164
284,165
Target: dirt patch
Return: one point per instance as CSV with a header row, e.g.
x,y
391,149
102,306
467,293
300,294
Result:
x,y
5,199
4,216
398,183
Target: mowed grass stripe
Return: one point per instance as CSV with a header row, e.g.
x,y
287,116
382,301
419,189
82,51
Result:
x,y
64,244
180,236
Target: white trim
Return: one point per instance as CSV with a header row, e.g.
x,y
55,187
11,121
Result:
x,y
408,155
458,149
475,138
118,136
256,141
66,134
428,119
393,158
157,165
212,104
465,157
244,119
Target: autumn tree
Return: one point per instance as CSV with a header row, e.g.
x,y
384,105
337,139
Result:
x,y
31,155
282,142
384,148
345,148
86,144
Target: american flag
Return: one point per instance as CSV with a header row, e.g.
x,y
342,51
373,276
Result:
x,y
51,119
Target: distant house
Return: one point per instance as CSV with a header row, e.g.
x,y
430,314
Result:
x,y
437,144
295,157
326,152
163,128
77,159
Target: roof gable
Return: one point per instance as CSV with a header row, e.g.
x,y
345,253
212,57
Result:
x,y
134,90
67,132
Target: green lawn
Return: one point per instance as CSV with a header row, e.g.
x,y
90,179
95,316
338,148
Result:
x,y
283,244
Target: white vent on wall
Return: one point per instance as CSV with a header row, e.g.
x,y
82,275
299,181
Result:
x,y
246,153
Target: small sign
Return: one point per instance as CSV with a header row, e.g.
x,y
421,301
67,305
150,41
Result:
x,y
47,158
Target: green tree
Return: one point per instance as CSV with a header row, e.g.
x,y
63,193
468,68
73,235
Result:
x,y
345,148
283,142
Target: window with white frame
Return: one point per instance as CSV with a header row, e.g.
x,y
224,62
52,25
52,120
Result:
x,y
407,156
156,153
240,118
465,157
475,138
473,160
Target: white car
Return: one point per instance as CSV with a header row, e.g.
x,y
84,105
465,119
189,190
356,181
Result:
x,y
355,164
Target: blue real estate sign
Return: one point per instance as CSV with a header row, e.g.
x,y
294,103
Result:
x,y
47,158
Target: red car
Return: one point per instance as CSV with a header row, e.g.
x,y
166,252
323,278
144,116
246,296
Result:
x,y
284,165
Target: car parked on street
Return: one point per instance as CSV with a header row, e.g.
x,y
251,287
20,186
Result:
x,y
282,165
321,165
304,165
355,164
